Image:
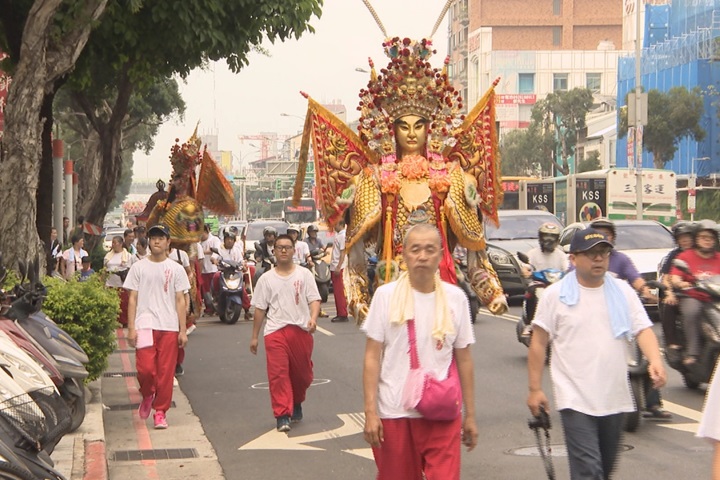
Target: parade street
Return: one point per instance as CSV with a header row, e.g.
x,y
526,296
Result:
x,y
227,390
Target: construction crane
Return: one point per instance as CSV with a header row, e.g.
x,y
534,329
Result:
x,y
266,140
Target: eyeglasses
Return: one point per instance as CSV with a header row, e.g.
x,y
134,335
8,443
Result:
x,y
597,254
706,236
283,248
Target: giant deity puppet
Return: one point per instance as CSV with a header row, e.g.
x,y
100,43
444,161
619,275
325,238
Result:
x,y
182,209
416,160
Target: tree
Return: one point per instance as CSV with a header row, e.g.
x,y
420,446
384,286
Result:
x,y
524,151
130,51
563,115
672,116
44,39
590,163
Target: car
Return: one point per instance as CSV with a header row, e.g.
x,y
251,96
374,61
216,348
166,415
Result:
x,y
109,234
254,232
646,242
518,232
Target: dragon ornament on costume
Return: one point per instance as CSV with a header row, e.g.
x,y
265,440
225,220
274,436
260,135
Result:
x,y
415,159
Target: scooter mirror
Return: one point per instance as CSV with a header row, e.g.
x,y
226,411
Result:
x,y
214,250
522,257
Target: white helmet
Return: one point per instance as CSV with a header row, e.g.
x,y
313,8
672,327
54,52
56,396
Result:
x,y
294,228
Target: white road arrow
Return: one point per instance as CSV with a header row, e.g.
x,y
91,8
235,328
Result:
x,y
273,440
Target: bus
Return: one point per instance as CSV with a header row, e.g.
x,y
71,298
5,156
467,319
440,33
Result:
x,y
511,190
305,212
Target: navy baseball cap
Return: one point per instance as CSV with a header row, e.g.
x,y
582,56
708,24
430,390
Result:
x,y
159,228
584,240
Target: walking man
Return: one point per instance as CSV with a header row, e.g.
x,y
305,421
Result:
x,y
587,317
156,323
406,445
337,264
288,298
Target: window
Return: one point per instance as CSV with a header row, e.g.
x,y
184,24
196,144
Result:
x,y
526,83
560,82
593,81
557,36
557,7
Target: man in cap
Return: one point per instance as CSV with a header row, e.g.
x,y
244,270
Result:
x,y
156,322
587,317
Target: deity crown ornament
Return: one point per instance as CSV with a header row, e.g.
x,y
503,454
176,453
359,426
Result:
x,y
184,158
409,86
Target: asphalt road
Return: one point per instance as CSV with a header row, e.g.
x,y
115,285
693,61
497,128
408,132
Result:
x,y
227,388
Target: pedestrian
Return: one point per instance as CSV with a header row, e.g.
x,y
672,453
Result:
x,y
287,298
117,262
587,317
66,236
436,315
86,269
183,259
54,251
129,241
71,261
710,422
209,267
337,264
142,249
156,323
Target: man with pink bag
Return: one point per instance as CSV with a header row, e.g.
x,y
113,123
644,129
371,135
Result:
x,y
417,358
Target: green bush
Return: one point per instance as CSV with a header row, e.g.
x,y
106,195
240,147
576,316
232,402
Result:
x,y
88,312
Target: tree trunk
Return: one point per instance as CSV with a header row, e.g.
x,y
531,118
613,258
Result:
x,y
658,161
44,195
44,57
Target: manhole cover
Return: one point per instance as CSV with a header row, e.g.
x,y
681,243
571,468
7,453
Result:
x,y
315,383
557,450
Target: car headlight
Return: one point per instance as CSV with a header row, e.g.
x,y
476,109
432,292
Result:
x,y
499,257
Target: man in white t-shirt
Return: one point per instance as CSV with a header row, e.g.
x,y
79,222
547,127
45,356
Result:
x,y
405,444
587,316
209,267
156,323
302,251
287,297
337,264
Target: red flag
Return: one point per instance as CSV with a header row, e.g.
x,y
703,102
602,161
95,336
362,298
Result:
x,y
214,191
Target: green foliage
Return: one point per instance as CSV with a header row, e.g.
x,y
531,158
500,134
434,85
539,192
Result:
x,y
562,115
672,116
524,152
706,205
88,312
590,163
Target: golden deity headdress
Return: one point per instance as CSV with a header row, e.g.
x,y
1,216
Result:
x,y
409,85
184,158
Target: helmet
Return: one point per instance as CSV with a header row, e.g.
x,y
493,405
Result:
x,y
682,227
312,228
269,231
229,234
604,223
549,229
706,225
293,228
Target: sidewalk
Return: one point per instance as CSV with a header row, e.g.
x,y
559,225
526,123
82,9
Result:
x,y
114,443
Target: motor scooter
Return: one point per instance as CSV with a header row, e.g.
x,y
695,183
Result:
x,y
701,371
262,263
59,347
539,281
36,383
22,428
227,293
321,272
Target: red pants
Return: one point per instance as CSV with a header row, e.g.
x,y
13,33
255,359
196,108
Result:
x,y
156,368
205,286
339,293
289,367
124,298
414,446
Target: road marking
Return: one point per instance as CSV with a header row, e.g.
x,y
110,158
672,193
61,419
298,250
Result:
x,y
274,440
314,383
504,316
326,332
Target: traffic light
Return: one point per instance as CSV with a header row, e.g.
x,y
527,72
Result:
x,y
278,184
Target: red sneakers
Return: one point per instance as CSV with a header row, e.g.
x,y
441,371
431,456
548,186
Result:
x,y
145,407
160,421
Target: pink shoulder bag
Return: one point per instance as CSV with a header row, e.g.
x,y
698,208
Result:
x,y
432,398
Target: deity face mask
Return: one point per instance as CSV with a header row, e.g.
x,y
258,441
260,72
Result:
x,y
411,134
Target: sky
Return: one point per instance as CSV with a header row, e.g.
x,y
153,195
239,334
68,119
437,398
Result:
x,y
322,64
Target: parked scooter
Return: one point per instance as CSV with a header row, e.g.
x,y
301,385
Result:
x,y
48,337
22,428
539,281
321,272
226,297
709,318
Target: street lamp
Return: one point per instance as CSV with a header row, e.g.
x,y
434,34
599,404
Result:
x,y
291,115
239,180
361,70
691,186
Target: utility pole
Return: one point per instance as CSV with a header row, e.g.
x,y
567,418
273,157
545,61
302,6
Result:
x,y
637,114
